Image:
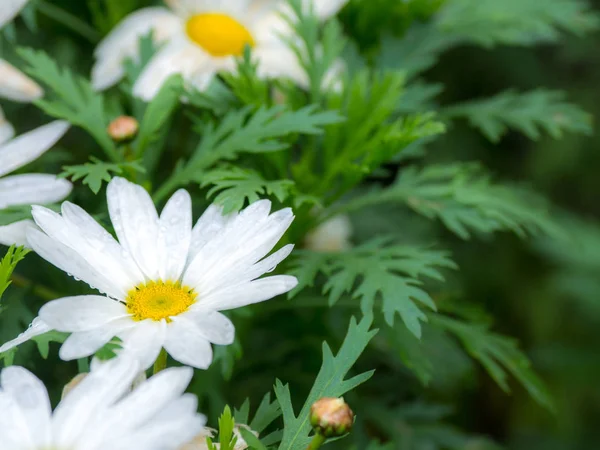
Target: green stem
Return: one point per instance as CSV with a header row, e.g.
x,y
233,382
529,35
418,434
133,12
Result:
x,y
161,361
69,20
316,442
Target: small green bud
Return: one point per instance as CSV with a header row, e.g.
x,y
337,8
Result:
x,y
123,128
331,417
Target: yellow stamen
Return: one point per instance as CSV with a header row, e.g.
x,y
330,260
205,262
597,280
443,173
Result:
x,y
219,34
158,300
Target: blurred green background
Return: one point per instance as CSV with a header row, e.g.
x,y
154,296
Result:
x,y
545,293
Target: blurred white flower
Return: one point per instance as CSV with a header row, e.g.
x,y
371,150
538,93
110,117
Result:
x,y
30,188
203,37
333,235
9,9
16,86
165,281
99,412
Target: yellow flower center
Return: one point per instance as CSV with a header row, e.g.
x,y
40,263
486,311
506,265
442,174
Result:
x,y
158,300
219,34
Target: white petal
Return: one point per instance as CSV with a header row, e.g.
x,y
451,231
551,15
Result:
x,y
247,293
37,327
32,188
14,84
175,231
103,386
135,220
7,131
31,396
213,326
225,258
30,146
278,61
16,233
325,8
99,247
178,57
82,312
144,341
86,343
123,42
14,430
266,265
68,260
186,344
207,227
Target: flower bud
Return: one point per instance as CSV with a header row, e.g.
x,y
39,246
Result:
x,y
123,128
331,417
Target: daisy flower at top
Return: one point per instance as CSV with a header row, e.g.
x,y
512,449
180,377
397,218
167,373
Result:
x,y
203,37
99,413
165,282
29,188
9,10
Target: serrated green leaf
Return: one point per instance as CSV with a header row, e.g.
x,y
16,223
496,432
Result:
x,y
498,354
8,264
93,173
43,341
330,382
516,22
74,98
529,112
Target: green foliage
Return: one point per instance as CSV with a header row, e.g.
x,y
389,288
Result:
x,y
464,198
516,22
529,113
106,13
379,269
234,185
267,412
498,355
227,439
93,173
8,264
43,341
158,112
245,84
73,98
330,382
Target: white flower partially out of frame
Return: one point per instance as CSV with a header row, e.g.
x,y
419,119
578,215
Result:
x,y
99,413
9,9
202,38
29,188
16,86
165,282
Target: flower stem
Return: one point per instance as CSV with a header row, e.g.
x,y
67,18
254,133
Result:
x,y
69,20
316,442
161,361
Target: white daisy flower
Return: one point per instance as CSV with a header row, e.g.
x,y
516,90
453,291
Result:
x,y
9,9
15,85
99,413
203,37
165,282
29,188
333,235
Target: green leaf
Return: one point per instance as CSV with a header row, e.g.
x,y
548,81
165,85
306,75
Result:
x,y
516,22
95,172
8,264
73,100
498,354
252,441
43,341
245,83
529,112
330,382
109,350
378,269
158,112
244,131
464,198
233,186
227,439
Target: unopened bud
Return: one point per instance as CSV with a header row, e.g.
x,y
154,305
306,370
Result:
x,y
331,417
123,128
72,384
